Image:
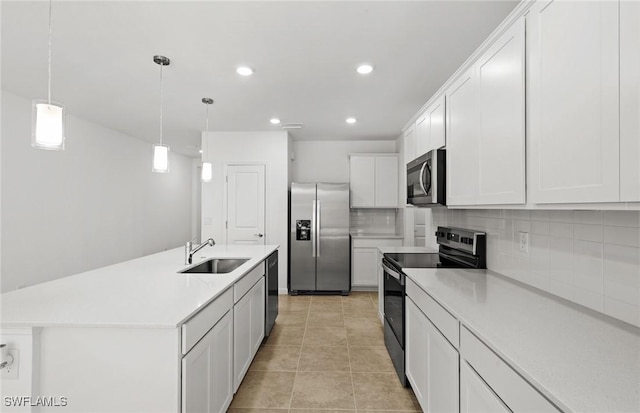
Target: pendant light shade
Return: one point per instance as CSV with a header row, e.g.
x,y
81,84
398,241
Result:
x,y
207,167
47,119
160,151
207,172
160,158
47,129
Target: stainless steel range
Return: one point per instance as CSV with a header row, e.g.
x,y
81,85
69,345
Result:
x,y
458,248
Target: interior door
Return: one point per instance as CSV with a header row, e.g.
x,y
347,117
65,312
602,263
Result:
x,y
332,253
246,204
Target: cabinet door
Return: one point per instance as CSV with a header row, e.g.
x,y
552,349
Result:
x,y
362,182
501,131
629,101
257,316
207,371
573,86
365,267
242,345
410,144
423,134
442,372
386,182
475,395
436,122
416,351
462,140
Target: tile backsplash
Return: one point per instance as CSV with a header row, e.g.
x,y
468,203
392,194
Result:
x,y
589,257
379,221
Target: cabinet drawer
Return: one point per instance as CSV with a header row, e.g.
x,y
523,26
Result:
x,y
376,242
198,325
242,286
445,322
515,391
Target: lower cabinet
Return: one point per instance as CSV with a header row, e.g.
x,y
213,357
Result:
x,y
475,395
248,330
207,370
431,363
364,259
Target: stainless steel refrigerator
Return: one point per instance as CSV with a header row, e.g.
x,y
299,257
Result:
x,y
319,239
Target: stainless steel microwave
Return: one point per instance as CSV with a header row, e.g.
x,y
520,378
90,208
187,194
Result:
x,y
426,183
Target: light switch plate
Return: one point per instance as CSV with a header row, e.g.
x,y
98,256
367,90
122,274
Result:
x,y
10,371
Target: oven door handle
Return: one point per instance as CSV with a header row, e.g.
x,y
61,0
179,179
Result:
x,y
393,273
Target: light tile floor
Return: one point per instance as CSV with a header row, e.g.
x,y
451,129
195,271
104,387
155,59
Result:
x,y
325,354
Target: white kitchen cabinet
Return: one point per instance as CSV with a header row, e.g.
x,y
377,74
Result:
x,y
430,128
501,129
573,92
248,329
486,126
431,361
462,140
365,262
423,134
476,396
373,180
410,144
630,101
207,370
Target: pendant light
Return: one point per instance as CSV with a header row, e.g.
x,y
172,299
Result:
x,y
47,117
207,168
160,151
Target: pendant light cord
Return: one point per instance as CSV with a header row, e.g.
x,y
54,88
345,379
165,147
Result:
x,y
161,104
207,124
49,61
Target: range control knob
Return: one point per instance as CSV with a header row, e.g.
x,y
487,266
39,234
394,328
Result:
x,y
465,240
439,234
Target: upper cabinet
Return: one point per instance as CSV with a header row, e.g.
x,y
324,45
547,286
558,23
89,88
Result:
x,y
410,144
630,101
373,180
573,101
486,126
429,129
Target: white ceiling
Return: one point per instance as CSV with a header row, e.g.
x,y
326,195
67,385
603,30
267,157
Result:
x,y
304,53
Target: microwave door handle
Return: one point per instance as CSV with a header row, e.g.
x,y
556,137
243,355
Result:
x,y
424,165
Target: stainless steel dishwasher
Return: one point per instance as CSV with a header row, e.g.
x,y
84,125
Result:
x,y
271,299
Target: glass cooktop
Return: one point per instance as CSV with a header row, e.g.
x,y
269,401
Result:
x,y
420,260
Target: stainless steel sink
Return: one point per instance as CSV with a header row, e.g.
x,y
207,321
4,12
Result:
x,y
216,266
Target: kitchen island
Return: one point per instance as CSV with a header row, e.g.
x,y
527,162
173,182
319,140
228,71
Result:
x,y
123,337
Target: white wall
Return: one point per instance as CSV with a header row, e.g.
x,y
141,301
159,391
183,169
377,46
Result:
x,y
94,204
269,148
328,161
589,257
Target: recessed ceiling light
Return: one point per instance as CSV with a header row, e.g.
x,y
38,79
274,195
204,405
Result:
x,y
351,120
244,70
274,121
365,69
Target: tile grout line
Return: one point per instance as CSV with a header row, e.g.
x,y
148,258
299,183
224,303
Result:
x,y
295,376
353,385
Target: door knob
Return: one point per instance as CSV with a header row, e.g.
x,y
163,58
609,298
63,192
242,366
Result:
x,y
259,235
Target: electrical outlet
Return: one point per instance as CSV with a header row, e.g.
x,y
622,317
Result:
x,y
10,371
524,242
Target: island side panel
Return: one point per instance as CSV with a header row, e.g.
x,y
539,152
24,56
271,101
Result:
x,y
111,369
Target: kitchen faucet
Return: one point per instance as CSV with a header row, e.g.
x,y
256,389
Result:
x,y
188,251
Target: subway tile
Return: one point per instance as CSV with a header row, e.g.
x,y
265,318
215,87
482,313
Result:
x,y
587,217
522,214
539,251
521,226
561,230
587,232
561,260
627,236
561,289
589,299
587,266
622,273
540,227
539,215
622,311
622,218
561,216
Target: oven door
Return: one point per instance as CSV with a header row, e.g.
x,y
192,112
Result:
x,y
394,290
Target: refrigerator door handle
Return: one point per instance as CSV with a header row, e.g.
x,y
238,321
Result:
x,y
313,230
318,229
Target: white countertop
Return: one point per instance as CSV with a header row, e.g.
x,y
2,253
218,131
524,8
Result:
x,y
581,360
407,250
144,292
356,234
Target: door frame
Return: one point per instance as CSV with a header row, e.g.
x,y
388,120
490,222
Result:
x,y
225,191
